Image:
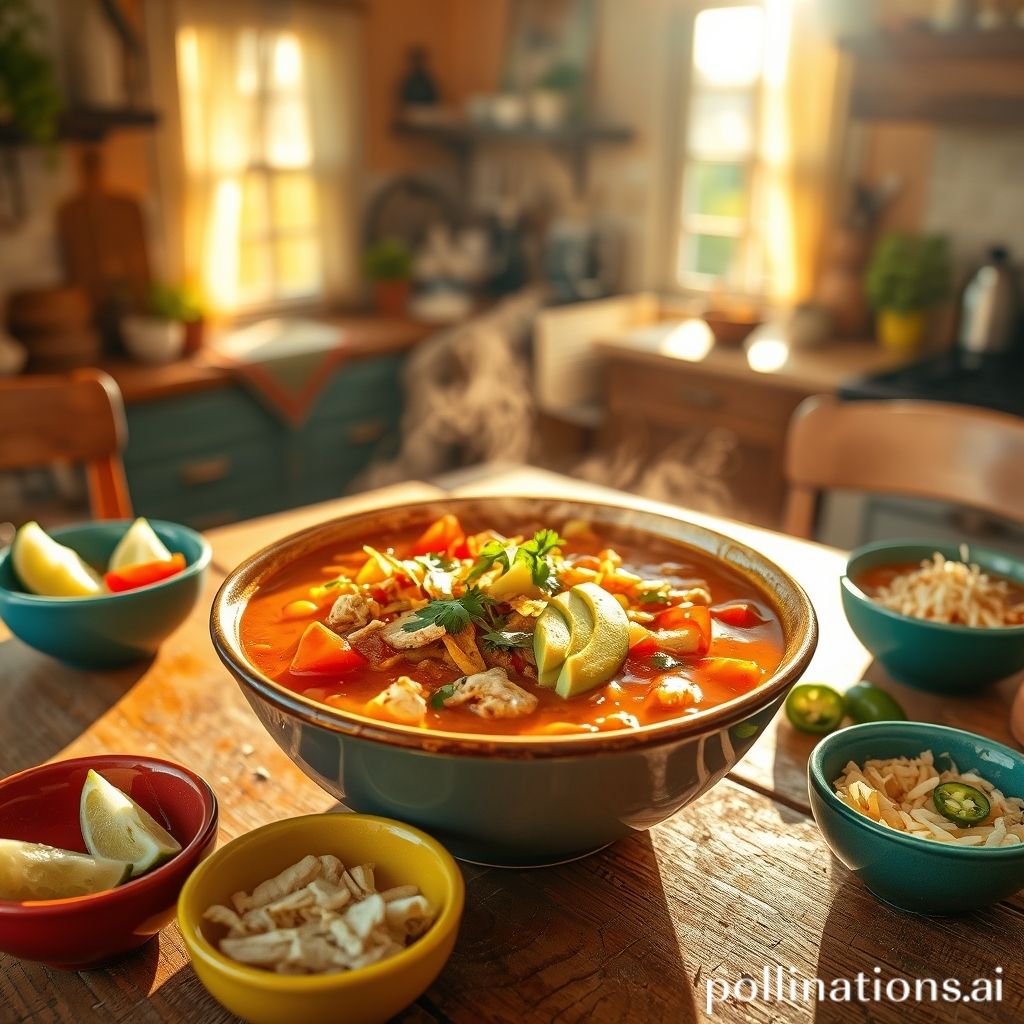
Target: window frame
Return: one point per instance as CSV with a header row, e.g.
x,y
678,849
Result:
x,y
749,282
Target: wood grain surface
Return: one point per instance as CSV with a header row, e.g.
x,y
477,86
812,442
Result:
x,y
737,882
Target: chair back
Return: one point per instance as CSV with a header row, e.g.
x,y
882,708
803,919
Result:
x,y
73,418
953,453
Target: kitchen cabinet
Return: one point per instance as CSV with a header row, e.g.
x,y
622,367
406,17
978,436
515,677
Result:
x,y
655,394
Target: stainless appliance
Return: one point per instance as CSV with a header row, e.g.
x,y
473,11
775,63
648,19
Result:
x,y
990,307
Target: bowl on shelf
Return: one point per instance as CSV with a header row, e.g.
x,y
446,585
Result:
x,y
505,799
932,656
915,874
40,805
110,629
730,328
401,855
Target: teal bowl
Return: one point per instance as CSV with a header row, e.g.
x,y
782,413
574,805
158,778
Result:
x,y
909,873
516,801
112,629
932,656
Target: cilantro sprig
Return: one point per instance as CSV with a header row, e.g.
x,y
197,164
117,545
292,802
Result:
x,y
454,614
440,695
535,553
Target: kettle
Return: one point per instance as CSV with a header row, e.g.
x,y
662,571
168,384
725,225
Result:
x,y
989,319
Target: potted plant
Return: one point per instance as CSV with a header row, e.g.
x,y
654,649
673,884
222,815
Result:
x,y
907,276
171,327
556,96
388,264
29,98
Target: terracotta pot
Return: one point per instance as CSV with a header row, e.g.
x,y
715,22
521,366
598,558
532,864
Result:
x,y
391,297
195,332
902,332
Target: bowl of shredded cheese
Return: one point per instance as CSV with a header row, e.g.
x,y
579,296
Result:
x,y
946,618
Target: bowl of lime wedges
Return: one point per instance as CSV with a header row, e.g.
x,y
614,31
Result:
x,y
102,594
93,854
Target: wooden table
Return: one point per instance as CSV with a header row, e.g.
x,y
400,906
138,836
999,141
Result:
x,y
738,882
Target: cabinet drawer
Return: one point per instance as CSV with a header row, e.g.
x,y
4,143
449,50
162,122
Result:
x,y
362,388
673,394
194,423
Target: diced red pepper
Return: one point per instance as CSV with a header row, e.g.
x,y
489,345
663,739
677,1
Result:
x,y
441,537
737,613
677,618
641,641
131,577
322,652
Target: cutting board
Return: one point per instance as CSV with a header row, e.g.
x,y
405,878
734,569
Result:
x,y
103,243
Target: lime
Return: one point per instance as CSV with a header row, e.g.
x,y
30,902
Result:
x,y
51,569
115,826
32,871
140,544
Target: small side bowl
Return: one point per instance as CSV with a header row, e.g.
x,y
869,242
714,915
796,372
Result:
x,y
112,629
909,873
402,855
932,656
40,805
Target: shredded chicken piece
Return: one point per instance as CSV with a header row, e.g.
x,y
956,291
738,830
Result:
x,y
463,649
403,701
398,637
674,692
492,694
350,612
295,877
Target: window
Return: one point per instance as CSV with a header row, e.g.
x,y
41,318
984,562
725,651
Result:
x,y
719,241
264,213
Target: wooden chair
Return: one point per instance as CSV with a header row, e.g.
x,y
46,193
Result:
x,y
73,418
952,453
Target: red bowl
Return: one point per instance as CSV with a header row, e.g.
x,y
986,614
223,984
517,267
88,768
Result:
x,y
40,805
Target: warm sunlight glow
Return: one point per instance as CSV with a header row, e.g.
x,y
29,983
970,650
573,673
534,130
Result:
x,y
221,263
287,62
767,354
728,46
692,340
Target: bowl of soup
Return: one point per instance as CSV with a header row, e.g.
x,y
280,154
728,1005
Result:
x,y
528,679
939,617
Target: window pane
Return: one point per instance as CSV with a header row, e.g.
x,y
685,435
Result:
x,y
298,266
293,201
712,255
255,218
722,125
255,277
286,65
286,133
728,46
716,189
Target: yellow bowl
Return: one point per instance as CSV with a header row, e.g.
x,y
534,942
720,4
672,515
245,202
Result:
x,y
402,855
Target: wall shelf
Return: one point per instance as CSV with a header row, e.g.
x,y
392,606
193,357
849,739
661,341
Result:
x,y
574,140
88,124
952,77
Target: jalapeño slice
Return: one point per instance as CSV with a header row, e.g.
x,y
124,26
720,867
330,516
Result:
x,y
814,708
962,804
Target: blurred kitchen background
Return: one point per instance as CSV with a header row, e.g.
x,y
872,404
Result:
x,y
321,245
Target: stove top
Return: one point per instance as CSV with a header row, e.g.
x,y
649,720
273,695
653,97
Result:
x,y
993,382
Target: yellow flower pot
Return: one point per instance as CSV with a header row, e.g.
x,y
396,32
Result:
x,y
902,332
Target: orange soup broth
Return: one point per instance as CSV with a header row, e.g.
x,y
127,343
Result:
x,y
270,639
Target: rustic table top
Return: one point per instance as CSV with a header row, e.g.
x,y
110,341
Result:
x,y
737,883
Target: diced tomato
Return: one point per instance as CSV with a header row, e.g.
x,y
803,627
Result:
x,y
131,577
459,549
440,537
641,642
735,673
737,613
677,618
322,652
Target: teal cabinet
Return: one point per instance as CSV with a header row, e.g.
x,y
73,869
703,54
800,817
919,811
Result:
x,y
219,455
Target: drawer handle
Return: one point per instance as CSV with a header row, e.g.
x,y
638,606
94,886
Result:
x,y
700,397
204,471
366,432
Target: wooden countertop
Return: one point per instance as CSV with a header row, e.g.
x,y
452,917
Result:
x,y
809,370
738,883
363,336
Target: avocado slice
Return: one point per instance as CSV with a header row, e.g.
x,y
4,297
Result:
x,y
606,647
550,644
580,621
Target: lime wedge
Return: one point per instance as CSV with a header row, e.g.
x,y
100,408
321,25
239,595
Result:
x,y
31,871
116,827
51,569
139,544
